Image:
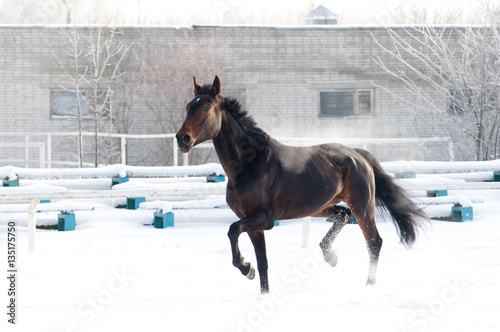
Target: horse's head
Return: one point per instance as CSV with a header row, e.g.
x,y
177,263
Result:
x,y
203,120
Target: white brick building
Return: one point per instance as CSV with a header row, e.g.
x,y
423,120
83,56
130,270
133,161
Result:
x,y
308,81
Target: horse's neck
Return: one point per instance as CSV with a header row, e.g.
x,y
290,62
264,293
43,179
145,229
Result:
x,y
225,142
234,147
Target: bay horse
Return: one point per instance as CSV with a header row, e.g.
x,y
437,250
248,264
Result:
x,y
269,181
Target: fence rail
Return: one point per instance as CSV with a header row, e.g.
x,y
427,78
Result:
x,y
49,162
13,173
26,146
46,147
35,194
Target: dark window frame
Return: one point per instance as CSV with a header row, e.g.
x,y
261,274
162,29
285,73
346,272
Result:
x,y
86,98
356,109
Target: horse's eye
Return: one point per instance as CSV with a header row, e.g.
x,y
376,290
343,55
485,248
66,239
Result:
x,y
206,108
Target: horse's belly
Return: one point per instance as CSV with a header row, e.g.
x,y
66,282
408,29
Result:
x,y
305,196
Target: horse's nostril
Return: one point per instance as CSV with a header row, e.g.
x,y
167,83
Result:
x,y
184,138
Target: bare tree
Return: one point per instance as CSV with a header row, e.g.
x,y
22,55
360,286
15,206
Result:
x,y
92,70
76,73
104,57
451,77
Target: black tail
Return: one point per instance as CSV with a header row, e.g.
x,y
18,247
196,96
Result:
x,y
404,212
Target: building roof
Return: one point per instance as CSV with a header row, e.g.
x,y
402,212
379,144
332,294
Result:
x,y
321,11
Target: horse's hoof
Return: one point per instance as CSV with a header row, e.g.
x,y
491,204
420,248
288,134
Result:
x,y
371,282
331,258
251,273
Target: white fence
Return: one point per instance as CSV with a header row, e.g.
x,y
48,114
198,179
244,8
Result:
x,y
49,162
45,159
26,146
36,193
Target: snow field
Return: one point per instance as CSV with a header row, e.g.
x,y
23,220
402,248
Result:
x,y
115,272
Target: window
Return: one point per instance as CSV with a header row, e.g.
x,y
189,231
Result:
x,y
64,104
346,102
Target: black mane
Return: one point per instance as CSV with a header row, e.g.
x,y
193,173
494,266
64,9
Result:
x,y
233,107
246,122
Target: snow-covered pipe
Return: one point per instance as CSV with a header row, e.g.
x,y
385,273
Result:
x,y
12,173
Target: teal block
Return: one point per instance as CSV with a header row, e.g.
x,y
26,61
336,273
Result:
x,y
437,193
11,183
460,213
115,181
216,178
496,176
66,222
276,223
163,220
134,202
44,201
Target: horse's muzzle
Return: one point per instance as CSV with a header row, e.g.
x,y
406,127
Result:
x,y
184,142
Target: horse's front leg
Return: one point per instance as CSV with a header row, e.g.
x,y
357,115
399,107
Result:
x,y
259,245
254,226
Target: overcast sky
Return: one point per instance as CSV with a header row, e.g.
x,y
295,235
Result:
x,y
349,11
189,12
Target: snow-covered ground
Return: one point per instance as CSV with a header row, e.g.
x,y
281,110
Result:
x,y
114,273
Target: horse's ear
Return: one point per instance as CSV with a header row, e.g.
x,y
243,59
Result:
x,y
216,85
196,86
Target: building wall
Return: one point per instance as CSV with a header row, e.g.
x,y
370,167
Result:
x,y
278,71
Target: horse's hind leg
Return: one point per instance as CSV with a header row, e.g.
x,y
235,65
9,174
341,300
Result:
x,y
339,215
364,214
359,194
374,244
